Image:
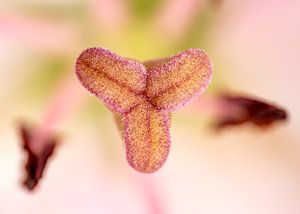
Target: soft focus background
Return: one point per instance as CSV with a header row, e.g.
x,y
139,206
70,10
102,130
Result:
x,y
254,46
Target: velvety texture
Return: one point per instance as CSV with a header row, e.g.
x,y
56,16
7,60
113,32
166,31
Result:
x,y
141,96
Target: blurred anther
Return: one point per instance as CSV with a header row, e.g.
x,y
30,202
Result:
x,y
37,159
238,110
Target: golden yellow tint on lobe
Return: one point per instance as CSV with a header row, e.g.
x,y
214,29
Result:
x,y
146,137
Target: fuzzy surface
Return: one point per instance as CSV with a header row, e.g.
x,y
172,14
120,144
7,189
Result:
x,y
143,95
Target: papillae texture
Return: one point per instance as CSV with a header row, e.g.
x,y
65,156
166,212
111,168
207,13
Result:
x,y
142,95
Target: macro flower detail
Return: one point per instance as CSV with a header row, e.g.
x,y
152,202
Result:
x,y
142,95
